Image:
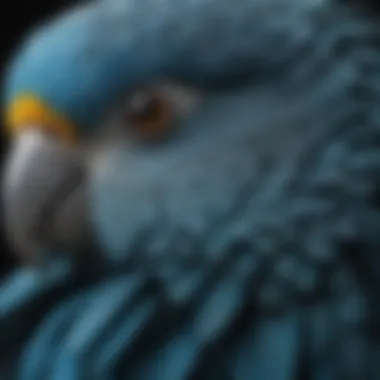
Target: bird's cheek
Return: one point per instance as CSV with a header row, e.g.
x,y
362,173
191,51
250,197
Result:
x,y
109,208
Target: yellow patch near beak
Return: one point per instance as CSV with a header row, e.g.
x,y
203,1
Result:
x,y
28,111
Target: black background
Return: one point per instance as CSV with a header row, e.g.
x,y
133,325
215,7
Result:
x,y
17,18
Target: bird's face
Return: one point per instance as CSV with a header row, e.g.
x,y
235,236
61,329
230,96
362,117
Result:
x,y
185,192
170,168
180,129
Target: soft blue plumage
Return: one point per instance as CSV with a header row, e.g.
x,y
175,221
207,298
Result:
x,y
76,67
244,247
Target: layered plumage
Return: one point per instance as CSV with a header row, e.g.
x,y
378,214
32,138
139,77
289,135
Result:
x,y
244,245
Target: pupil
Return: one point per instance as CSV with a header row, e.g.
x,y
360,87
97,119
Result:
x,y
143,106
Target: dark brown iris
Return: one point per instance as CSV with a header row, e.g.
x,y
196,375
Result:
x,y
148,114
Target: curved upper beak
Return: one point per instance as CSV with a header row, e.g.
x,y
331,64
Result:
x,y
44,195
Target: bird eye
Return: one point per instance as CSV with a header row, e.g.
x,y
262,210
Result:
x,y
149,115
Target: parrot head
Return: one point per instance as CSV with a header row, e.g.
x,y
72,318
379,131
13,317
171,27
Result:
x,y
167,126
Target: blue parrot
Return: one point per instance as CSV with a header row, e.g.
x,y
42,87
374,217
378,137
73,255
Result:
x,y
198,184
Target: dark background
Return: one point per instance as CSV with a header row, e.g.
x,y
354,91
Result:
x,y
17,18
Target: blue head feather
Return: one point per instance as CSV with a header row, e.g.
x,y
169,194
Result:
x,y
82,63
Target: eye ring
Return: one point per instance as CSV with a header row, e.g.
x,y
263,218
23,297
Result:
x,y
148,114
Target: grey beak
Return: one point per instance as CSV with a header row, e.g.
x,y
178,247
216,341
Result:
x,y
44,196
